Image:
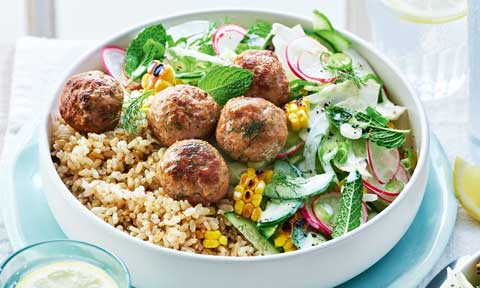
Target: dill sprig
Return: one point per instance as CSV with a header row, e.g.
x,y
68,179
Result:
x,y
343,74
132,112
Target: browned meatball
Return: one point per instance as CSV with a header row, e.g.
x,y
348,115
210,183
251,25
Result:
x,y
91,102
251,129
269,80
182,112
193,170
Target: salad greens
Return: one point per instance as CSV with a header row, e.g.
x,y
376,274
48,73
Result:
x,y
148,45
258,37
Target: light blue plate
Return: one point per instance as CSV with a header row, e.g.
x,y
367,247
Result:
x,y
28,220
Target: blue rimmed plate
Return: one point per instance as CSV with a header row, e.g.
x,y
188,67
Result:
x,y
28,218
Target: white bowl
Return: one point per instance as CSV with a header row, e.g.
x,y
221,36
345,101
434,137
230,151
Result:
x,y
325,265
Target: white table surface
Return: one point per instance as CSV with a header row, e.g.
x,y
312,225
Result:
x,y
29,71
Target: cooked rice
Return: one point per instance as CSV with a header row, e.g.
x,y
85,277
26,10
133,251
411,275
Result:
x,y
114,175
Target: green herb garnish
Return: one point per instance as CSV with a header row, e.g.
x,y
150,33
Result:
x,y
252,129
373,124
258,37
226,82
301,88
148,45
132,113
350,205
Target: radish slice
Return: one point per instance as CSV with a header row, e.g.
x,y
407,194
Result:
x,y
113,60
312,221
364,216
303,58
402,175
290,150
379,190
227,38
384,163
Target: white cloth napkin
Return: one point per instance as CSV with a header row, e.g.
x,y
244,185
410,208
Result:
x,y
39,62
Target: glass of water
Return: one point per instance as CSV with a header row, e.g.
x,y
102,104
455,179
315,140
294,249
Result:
x,y
428,46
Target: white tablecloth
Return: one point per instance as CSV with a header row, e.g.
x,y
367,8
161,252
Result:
x,y
39,62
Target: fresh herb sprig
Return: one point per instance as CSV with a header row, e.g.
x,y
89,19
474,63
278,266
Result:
x,y
373,124
344,73
301,88
133,114
257,37
350,205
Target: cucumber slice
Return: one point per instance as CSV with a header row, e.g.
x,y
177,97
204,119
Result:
x,y
303,239
284,167
251,233
338,41
339,61
320,21
277,211
268,231
287,188
322,41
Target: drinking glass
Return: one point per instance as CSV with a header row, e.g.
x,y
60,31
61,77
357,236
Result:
x,y
432,54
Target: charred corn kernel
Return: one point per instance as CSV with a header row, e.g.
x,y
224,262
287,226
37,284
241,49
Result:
x,y
223,240
257,200
280,240
267,176
248,193
256,213
247,210
158,77
247,197
297,113
260,187
289,246
238,207
237,195
207,243
212,235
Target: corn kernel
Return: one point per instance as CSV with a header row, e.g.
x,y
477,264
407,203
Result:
x,y
260,187
210,243
280,240
247,210
295,124
240,189
237,195
251,172
247,197
160,85
257,200
289,246
212,235
223,240
267,176
145,80
238,207
257,212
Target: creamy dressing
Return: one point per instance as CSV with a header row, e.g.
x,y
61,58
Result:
x,y
67,274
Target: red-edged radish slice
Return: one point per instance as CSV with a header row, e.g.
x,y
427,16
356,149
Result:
x,y
113,60
290,150
379,190
303,58
402,175
227,37
311,220
364,216
384,162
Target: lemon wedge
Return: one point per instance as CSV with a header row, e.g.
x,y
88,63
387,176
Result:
x,y
67,274
466,182
428,11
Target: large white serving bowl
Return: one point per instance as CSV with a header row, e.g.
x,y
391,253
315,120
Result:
x,y
325,265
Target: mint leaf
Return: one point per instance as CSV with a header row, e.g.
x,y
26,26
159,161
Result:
x,y
374,125
258,37
153,50
350,205
225,82
135,51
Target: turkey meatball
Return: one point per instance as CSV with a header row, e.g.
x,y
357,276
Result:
x,y
91,102
182,112
269,80
194,170
251,129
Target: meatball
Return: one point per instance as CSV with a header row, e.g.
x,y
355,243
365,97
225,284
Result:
x,y
182,112
91,102
194,170
251,129
269,80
